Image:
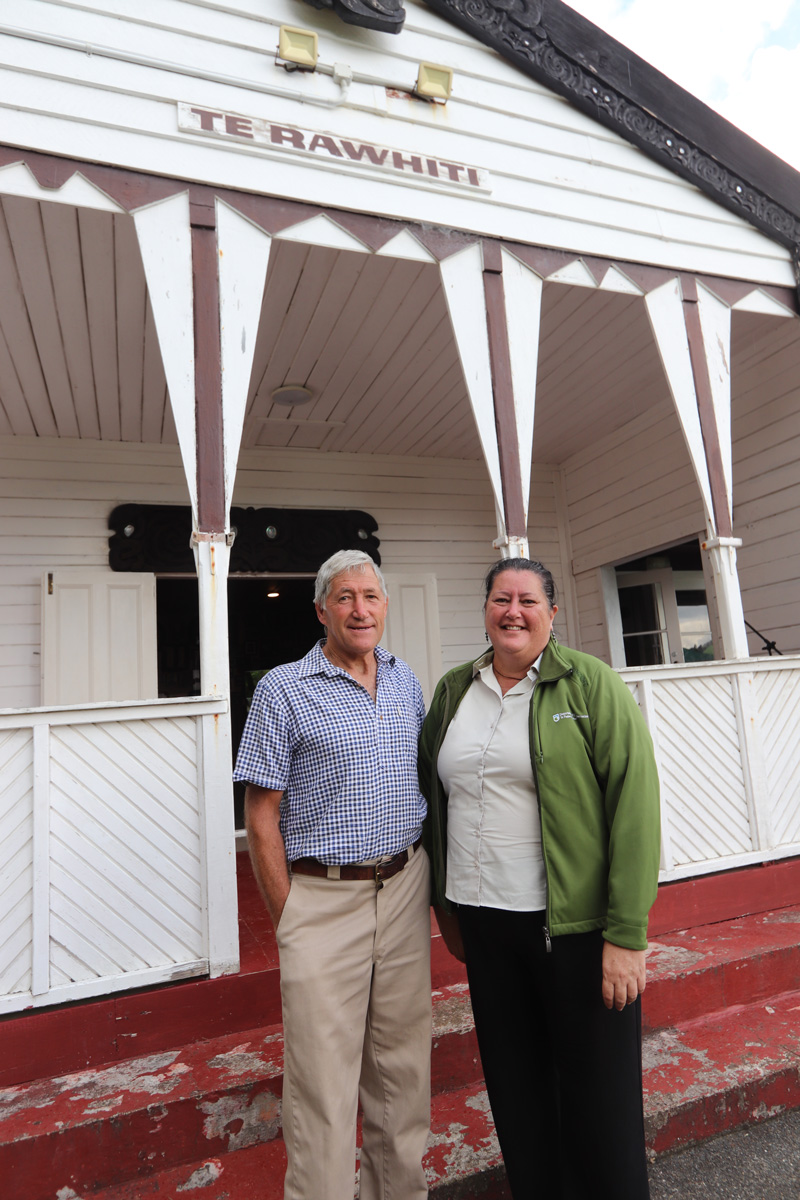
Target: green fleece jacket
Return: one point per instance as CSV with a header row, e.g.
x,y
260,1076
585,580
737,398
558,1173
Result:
x,y
597,787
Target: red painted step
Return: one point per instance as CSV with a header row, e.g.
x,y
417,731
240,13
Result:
x,y
712,967
718,1052
701,1078
77,1036
122,1122
90,1034
463,1161
735,1067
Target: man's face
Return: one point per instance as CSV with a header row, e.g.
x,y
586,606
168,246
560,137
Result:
x,y
354,613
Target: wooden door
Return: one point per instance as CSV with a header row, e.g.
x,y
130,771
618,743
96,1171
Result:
x,y
98,637
412,627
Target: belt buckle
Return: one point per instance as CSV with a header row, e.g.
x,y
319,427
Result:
x,y
378,880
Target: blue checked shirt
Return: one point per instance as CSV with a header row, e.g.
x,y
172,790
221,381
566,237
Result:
x,y
347,766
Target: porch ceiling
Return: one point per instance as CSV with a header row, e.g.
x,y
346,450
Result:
x,y
368,335
79,356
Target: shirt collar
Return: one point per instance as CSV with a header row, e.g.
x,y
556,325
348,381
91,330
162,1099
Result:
x,y
487,658
315,662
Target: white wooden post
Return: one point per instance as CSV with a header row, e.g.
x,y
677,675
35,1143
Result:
x,y
706,364
217,836
167,244
462,278
244,252
523,295
715,331
496,326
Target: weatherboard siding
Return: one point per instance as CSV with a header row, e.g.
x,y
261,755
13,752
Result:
x,y
766,482
434,516
102,79
635,492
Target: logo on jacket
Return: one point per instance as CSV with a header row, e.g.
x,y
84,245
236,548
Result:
x,y
570,716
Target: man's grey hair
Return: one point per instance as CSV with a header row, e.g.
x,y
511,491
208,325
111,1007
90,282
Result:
x,y
343,560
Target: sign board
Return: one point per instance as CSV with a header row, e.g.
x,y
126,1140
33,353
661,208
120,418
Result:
x,y
327,147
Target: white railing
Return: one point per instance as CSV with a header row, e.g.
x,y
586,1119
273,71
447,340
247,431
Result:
x,y
727,742
109,850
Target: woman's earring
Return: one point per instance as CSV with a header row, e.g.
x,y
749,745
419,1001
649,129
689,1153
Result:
x,y
486,635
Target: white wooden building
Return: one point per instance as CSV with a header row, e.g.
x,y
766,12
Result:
x,y
555,311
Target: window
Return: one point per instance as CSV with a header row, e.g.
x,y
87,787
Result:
x,y
663,608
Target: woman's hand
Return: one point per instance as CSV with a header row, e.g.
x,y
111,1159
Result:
x,y
450,931
624,975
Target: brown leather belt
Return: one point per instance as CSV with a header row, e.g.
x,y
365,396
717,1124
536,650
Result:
x,y
377,872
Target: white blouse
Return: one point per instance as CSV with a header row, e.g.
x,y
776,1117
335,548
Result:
x,y
494,839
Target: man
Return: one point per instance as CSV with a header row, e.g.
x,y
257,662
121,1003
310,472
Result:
x,y
329,754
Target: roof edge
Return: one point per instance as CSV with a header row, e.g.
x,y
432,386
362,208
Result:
x,y
559,48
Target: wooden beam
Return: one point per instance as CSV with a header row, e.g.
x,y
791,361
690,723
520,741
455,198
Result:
x,y
211,507
705,407
503,390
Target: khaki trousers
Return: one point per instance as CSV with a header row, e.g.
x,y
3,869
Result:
x,y
356,994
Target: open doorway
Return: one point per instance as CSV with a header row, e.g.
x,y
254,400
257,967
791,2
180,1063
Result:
x,y
270,621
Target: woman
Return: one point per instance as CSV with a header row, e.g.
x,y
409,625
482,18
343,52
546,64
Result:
x,y
543,832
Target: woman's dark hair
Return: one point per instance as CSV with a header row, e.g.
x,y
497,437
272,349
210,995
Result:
x,y
521,564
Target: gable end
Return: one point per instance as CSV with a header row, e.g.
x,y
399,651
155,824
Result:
x,y
555,46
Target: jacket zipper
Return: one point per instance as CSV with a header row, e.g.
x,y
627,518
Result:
x,y
538,756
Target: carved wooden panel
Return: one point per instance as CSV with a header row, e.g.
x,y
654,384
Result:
x,y
155,537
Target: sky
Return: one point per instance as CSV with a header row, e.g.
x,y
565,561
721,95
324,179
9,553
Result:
x,y
740,58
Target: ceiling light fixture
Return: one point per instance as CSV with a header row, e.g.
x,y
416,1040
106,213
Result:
x,y
292,394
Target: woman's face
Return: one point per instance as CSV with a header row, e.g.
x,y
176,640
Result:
x,y
518,615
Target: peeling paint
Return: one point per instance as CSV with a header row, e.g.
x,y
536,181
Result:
x,y
140,1075
723,349
258,1119
669,960
154,1074
104,1105
66,1193
239,1061
452,1011
464,1155
764,1113
206,1174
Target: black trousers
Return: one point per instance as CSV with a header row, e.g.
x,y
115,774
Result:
x,y
563,1072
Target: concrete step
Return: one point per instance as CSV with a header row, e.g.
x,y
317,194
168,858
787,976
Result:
x,y
722,1048
121,1122
735,1067
710,967
702,1078
78,1036
463,1162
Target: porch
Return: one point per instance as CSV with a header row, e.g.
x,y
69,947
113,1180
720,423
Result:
x,y
148,1093
118,856
477,396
